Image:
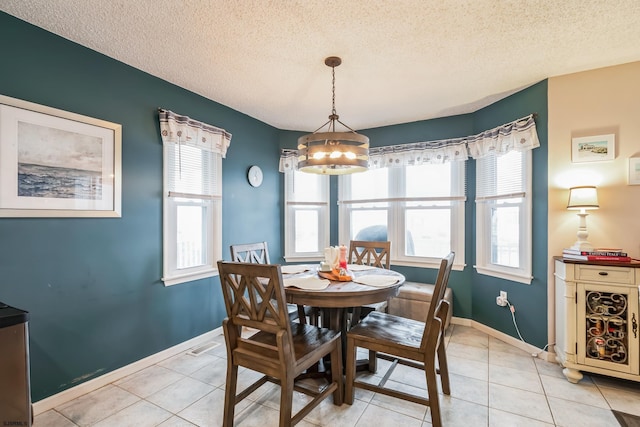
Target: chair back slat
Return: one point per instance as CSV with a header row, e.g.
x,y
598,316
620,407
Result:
x,y
257,253
254,296
376,254
433,321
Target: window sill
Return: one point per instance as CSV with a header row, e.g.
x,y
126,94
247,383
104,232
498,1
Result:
x,y
520,278
175,280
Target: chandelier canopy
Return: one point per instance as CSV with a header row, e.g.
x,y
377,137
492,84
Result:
x,y
333,152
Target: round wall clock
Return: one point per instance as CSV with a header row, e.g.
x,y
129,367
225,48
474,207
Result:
x,y
255,176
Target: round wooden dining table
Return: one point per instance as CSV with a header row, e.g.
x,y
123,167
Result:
x,y
336,300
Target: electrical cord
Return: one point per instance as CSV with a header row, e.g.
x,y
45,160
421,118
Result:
x,y
512,309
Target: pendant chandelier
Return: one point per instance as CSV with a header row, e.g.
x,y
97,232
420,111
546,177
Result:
x,y
333,152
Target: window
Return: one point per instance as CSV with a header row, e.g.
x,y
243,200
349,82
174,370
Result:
x,y
192,213
419,208
503,215
306,218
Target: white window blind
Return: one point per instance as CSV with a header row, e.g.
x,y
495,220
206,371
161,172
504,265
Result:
x,y
500,177
192,205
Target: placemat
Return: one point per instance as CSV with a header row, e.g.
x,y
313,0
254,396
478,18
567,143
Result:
x,y
293,268
359,267
309,283
378,280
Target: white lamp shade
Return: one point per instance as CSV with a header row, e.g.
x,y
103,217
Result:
x,y
585,197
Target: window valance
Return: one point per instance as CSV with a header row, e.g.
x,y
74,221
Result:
x,y
183,130
519,135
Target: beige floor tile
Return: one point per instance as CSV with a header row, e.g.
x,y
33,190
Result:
x,y
585,392
617,383
465,351
622,399
414,410
176,421
548,368
187,364
568,413
378,416
97,405
499,418
329,415
515,378
149,380
52,418
468,368
519,402
208,411
256,415
468,389
496,344
140,414
180,394
521,360
469,336
460,413
214,373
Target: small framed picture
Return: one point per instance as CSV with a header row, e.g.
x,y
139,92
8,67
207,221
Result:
x,y
593,148
634,171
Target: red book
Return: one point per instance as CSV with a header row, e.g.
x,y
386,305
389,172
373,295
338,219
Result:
x,y
597,258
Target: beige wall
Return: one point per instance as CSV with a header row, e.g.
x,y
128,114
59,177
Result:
x,y
602,101
596,102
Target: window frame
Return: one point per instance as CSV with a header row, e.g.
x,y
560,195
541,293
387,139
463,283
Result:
x,y
212,225
396,213
290,207
483,265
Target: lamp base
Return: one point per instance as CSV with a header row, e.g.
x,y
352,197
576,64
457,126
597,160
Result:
x,y
582,245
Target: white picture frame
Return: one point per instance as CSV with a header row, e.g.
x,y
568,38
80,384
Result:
x,y
54,163
593,148
634,170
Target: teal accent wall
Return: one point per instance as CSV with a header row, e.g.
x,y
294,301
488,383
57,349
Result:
x,y
530,301
474,294
92,285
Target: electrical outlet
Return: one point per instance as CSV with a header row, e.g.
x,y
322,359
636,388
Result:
x,y
501,299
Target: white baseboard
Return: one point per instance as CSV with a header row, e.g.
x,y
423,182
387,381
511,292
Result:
x,y
94,384
531,349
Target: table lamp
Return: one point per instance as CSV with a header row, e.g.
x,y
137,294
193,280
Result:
x,y
583,198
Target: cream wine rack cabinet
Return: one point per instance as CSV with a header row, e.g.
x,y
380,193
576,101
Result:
x,y
597,324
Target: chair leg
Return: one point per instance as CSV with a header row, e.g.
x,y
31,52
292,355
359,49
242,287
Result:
x,y
302,315
373,361
432,391
286,400
444,368
336,373
230,394
349,393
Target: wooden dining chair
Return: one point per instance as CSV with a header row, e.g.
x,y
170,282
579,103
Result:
x,y
258,253
254,297
413,343
375,254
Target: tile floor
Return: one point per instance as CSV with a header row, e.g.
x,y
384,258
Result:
x,y
492,384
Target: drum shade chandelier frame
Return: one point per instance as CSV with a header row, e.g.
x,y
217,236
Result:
x,y
332,152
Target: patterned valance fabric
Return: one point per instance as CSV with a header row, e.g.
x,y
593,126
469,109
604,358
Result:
x,y
183,130
519,135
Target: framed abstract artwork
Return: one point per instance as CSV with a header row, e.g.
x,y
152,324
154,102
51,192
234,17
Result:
x,y
55,163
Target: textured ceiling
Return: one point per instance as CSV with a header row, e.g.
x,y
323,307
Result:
x,y
403,60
